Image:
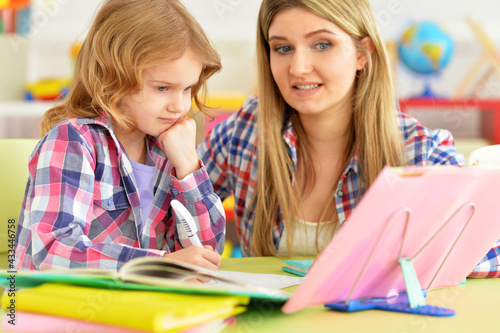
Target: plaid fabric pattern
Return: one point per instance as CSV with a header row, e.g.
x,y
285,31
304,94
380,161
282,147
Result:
x,y
82,205
230,156
489,266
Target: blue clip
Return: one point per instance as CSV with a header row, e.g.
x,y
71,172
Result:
x,y
398,303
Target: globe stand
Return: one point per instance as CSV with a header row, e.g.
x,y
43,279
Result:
x,y
427,90
428,93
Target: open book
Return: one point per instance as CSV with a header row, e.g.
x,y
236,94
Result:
x,y
149,273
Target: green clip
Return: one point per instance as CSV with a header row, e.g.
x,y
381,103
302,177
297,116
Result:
x,y
413,289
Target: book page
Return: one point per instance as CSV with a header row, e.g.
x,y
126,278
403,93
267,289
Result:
x,y
271,281
168,273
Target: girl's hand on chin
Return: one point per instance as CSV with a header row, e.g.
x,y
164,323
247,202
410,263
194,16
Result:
x,y
179,145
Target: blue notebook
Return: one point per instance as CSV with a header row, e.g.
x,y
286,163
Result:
x,y
297,267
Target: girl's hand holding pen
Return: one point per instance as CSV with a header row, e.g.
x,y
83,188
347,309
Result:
x,y
179,145
197,254
204,256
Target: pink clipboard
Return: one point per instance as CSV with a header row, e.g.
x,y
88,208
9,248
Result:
x,y
445,219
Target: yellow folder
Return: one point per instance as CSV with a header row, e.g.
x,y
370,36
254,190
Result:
x,y
144,310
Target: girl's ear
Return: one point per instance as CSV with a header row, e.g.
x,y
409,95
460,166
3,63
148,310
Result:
x,y
369,46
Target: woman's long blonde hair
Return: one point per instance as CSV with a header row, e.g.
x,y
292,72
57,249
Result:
x,y
375,135
126,37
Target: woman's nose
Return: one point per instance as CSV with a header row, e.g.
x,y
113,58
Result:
x,y
300,63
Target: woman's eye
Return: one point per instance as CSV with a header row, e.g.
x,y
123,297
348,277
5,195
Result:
x,y
322,46
161,88
282,49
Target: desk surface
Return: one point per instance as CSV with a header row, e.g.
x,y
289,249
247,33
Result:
x,y
475,304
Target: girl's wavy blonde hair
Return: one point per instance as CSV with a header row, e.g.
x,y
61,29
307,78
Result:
x,y
374,135
126,37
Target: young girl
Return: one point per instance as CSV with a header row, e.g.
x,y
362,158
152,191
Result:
x,y
119,149
301,156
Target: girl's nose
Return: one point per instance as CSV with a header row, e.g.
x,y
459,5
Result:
x,y
177,103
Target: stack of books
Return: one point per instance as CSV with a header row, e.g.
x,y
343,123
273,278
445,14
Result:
x,y
145,295
54,307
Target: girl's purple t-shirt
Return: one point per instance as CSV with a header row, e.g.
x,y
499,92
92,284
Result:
x,y
145,176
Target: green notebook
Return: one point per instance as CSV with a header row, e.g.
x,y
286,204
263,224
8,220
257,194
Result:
x,y
147,273
297,267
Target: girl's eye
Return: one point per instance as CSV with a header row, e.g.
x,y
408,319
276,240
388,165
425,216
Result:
x,y
161,89
188,89
282,49
322,46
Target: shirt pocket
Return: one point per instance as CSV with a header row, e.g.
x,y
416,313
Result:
x,y
110,197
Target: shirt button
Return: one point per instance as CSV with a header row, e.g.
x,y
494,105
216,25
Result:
x,y
340,193
110,201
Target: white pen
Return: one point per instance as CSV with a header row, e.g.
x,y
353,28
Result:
x,y
187,222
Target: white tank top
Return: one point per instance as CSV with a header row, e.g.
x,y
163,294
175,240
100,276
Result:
x,y
304,240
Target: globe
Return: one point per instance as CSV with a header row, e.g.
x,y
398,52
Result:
x,y
425,48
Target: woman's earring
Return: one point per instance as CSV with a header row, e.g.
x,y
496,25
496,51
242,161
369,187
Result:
x,y
363,72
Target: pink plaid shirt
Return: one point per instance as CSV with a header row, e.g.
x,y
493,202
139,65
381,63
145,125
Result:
x,y
82,206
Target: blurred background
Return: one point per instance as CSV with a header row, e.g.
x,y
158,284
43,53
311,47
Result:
x,y
39,37
444,54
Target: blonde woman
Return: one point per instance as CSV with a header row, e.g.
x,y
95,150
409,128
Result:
x,y
118,149
300,156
